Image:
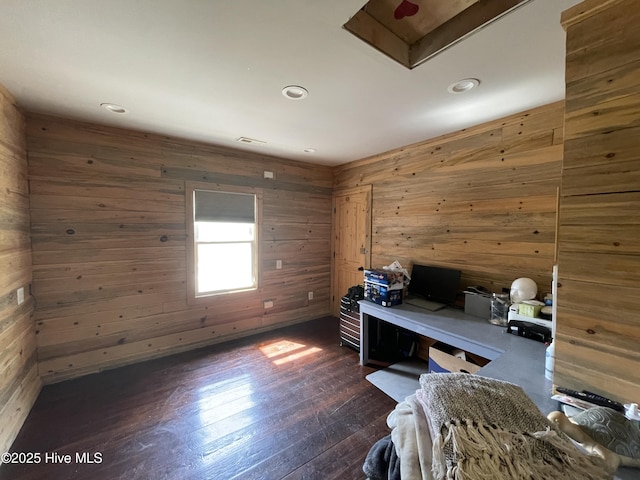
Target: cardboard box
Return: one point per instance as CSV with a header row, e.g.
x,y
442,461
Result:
x,y
477,305
392,279
443,362
382,294
529,310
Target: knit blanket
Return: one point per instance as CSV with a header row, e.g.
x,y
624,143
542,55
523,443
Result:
x,y
488,429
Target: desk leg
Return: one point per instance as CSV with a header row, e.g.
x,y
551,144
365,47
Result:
x,y
364,338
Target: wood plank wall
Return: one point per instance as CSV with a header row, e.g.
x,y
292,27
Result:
x,y
19,382
482,200
598,331
108,231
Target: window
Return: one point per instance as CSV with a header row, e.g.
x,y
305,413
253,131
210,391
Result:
x,y
223,252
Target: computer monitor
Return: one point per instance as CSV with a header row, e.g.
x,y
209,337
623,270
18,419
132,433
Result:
x,y
436,284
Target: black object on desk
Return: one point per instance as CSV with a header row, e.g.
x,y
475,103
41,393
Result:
x,y
593,398
436,285
529,330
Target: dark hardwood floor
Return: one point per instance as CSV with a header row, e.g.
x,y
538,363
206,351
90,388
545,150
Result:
x,y
286,404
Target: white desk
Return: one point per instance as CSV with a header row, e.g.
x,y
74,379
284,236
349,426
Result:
x,y
513,359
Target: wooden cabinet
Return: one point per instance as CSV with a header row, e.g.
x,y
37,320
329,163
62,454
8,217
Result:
x,y
598,323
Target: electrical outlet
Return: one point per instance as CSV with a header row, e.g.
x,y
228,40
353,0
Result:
x,y
310,295
268,304
20,295
278,264
268,175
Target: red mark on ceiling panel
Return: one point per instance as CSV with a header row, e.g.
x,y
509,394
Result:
x,y
405,9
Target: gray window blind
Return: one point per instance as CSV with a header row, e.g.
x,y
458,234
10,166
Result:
x,y
210,206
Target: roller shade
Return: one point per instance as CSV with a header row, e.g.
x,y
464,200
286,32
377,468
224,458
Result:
x,y
210,206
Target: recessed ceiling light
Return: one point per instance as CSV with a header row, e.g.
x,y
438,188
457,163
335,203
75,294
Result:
x,y
309,150
295,92
464,85
113,108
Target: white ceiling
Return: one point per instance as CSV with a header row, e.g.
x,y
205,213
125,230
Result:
x,y
213,71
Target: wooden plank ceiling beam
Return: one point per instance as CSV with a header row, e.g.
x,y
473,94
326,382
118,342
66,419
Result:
x,y
372,27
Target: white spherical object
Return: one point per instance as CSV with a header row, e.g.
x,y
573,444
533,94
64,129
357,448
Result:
x,y
523,289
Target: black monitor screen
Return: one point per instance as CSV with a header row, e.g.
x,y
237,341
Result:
x,y
435,283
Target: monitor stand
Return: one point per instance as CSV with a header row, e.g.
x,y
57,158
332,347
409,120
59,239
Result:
x,y
424,303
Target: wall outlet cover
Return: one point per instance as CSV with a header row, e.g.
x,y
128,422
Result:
x,y
20,295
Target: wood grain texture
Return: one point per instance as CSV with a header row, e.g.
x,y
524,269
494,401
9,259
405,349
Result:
x,y
351,240
482,200
289,403
476,16
583,10
109,244
599,234
601,42
431,14
19,381
371,31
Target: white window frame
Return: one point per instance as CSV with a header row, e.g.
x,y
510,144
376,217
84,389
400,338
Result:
x,y
193,297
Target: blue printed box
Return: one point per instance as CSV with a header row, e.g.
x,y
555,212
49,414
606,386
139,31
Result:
x,y
382,294
393,279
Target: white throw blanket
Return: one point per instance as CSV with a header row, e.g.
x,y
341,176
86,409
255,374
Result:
x,y
412,440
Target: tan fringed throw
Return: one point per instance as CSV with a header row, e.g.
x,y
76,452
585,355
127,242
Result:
x,y
488,429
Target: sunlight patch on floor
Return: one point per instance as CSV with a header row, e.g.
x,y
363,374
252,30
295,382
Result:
x,y
280,347
292,350
219,401
295,356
